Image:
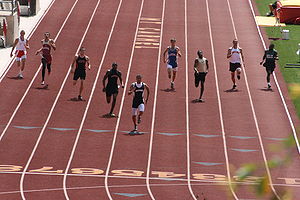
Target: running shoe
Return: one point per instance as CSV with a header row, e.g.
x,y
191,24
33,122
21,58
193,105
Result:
x,y
233,87
43,83
269,86
20,76
80,98
139,120
238,77
200,100
172,85
112,115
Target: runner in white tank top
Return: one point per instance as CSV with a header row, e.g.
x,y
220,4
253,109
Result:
x,y
201,69
21,44
235,56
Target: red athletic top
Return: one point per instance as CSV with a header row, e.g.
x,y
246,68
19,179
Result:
x,y
46,51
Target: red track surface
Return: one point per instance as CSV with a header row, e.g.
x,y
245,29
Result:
x,y
87,156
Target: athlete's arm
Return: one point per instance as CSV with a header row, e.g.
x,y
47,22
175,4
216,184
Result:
x,y
264,57
276,56
241,50
104,79
148,92
164,55
179,52
195,65
229,53
14,45
88,63
131,89
73,63
121,80
27,44
38,51
53,45
207,66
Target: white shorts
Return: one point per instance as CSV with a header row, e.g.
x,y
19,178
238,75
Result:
x,y
141,108
21,58
170,67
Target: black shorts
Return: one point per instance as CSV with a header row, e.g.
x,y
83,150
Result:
x,y
270,69
111,90
137,102
199,77
79,74
233,66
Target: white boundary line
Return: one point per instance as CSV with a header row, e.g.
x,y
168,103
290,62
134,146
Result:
x,y
52,108
122,104
187,102
90,99
155,101
253,111
29,36
35,75
277,83
220,104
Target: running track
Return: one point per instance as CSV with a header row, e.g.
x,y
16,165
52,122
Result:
x,y
54,148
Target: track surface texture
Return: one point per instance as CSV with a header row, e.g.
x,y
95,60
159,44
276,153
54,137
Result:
x,y
52,147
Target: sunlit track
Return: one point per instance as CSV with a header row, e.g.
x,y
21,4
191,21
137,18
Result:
x,y
122,104
253,110
34,77
277,83
220,103
90,99
52,108
29,36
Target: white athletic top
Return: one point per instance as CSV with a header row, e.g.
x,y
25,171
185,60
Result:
x,y
236,56
21,45
201,65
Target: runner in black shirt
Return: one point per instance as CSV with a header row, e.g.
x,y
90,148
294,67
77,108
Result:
x,y
269,62
112,87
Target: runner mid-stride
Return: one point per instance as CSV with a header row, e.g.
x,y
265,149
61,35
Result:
x,y
21,44
171,60
269,60
201,70
82,62
138,103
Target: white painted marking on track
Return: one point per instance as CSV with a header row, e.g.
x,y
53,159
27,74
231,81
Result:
x,y
253,110
154,103
188,155
35,75
220,103
90,99
11,62
52,108
277,83
122,104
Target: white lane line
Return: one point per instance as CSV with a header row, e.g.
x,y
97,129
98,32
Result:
x,y
188,154
220,103
277,84
29,36
52,108
90,99
35,75
155,101
122,104
253,110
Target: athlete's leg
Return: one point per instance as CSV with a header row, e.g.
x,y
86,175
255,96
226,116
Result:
x,y
23,64
113,103
169,73
74,82
202,89
49,68
108,98
44,64
174,75
81,87
233,77
134,113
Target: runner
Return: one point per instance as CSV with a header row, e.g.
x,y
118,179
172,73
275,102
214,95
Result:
x,y
111,89
21,44
47,45
171,60
270,57
235,54
138,103
201,70
82,62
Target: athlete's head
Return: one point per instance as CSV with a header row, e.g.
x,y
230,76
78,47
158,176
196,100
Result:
x,y
22,32
81,51
114,65
235,42
138,78
173,42
47,35
200,53
271,47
